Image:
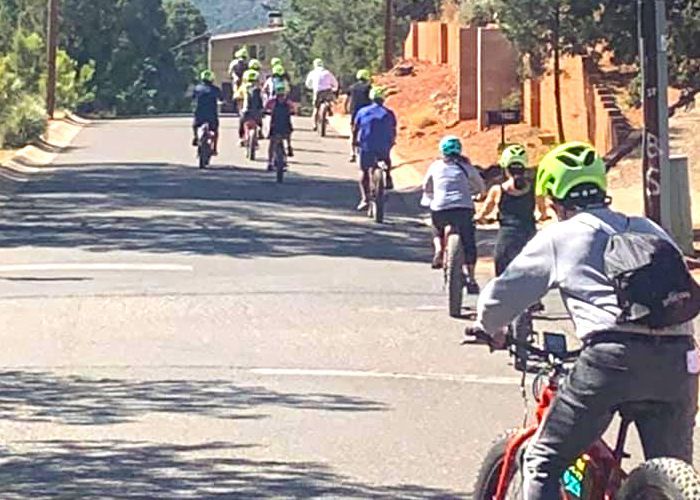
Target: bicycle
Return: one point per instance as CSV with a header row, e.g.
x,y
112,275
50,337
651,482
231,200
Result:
x,y
597,474
377,191
322,114
279,157
251,138
205,145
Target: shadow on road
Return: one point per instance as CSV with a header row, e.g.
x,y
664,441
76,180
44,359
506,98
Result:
x,y
27,396
132,469
165,208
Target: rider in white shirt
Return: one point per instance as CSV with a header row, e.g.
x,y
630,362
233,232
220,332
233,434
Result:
x,y
324,85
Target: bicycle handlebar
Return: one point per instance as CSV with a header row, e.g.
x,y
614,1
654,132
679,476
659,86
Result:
x,y
482,337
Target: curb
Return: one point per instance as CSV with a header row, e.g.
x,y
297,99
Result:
x,y
406,176
58,136
34,158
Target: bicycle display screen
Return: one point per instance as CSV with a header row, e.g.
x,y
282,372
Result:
x,y
555,343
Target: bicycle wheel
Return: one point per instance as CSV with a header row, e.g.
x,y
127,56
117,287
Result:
x,y
251,144
661,479
323,119
379,188
279,161
203,154
489,474
454,274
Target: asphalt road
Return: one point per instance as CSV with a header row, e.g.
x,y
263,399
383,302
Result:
x,y
176,333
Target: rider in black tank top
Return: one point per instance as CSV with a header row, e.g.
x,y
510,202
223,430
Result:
x,y
516,207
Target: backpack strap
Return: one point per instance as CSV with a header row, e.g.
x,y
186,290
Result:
x,y
461,166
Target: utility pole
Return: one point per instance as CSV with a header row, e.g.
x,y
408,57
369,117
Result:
x,y
52,42
654,58
388,34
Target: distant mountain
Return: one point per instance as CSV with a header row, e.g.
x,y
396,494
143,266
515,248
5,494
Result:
x,y
232,15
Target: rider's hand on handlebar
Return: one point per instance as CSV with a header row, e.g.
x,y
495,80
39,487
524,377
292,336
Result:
x,y
496,342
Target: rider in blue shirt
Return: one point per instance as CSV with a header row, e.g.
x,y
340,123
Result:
x,y
375,135
206,97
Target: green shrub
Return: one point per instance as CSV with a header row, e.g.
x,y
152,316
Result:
x,y
9,92
72,84
28,60
512,101
24,122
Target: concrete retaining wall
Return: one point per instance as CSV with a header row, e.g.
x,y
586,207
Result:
x,y
482,57
590,112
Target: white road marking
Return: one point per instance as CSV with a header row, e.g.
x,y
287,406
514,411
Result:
x,y
442,377
14,268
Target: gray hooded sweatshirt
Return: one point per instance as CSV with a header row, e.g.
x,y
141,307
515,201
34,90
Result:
x,y
569,256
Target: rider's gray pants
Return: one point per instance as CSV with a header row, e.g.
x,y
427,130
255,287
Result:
x,y
609,375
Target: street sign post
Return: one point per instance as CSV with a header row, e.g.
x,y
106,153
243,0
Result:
x,y
503,117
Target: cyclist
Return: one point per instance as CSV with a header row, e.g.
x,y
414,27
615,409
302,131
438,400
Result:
x,y
375,134
451,185
620,364
279,79
250,94
281,129
515,199
358,98
238,66
206,97
323,84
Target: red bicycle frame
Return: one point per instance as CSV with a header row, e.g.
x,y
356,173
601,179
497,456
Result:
x,y
602,472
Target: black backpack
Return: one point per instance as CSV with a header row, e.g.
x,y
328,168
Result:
x,y
653,285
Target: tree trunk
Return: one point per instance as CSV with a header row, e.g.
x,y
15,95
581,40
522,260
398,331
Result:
x,y
557,75
388,34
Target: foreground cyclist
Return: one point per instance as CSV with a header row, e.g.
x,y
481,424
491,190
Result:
x,y
374,132
206,97
451,185
620,364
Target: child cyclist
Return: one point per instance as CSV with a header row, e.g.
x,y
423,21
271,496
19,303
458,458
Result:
x,y
280,109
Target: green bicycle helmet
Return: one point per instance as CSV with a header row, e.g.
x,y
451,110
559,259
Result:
x,y
318,63
364,74
278,70
242,53
377,93
275,61
568,166
207,75
513,155
251,76
450,146
254,64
